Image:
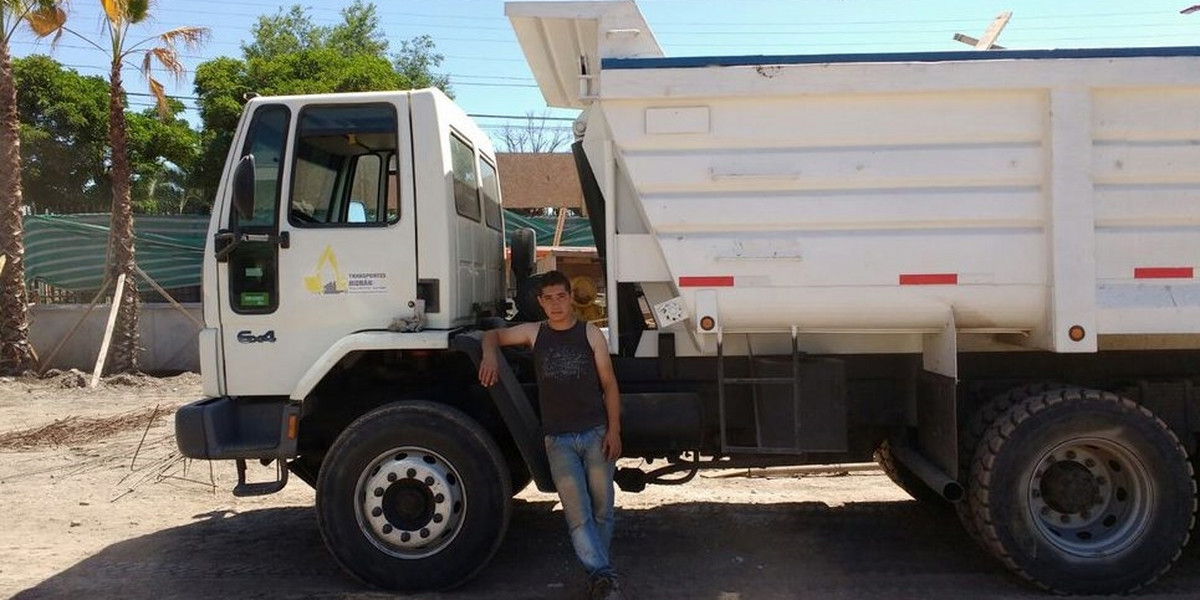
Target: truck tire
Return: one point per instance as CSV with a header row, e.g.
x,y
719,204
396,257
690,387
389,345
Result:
x,y
968,443
906,479
1083,492
413,496
523,252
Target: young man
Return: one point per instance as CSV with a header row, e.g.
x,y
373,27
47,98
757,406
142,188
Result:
x,y
581,420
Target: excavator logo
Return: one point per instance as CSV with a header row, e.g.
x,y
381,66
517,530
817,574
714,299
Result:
x,y
326,277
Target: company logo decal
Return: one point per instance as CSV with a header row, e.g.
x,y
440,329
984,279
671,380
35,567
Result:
x,y
326,277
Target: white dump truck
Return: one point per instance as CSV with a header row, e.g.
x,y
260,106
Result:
x,y
977,267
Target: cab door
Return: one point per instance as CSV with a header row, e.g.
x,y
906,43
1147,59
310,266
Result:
x,y
330,249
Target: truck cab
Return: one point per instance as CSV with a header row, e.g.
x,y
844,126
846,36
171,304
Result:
x,y
360,209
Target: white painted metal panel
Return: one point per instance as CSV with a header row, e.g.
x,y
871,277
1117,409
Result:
x,y
1026,195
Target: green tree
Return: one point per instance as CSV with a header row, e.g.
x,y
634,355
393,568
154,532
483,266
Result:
x,y
122,16
65,153
44,18
416,62
64,134
161,154
289,54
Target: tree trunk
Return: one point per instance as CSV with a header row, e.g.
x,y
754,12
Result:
x,y
124,351
16,354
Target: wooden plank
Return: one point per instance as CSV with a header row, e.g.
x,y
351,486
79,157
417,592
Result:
x,y
160,290
108,330
45,365
988,41
558,227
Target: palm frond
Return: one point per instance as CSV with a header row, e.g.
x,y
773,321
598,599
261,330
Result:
x,y
136,11
190,37
168,58
160,98
47,20
114,10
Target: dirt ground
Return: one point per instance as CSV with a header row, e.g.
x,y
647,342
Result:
x,y
96,503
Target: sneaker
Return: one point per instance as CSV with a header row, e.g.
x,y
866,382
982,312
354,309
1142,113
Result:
x,y
605,587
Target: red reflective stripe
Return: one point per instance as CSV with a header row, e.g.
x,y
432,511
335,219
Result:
x,y
1163,273
929,279
709,281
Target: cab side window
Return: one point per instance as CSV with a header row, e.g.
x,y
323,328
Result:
x,y
490,190
466,183
344,173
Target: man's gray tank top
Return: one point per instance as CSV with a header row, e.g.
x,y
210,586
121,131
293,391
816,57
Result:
x,y
568,386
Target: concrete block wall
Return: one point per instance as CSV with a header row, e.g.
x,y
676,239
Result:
x,y
168,337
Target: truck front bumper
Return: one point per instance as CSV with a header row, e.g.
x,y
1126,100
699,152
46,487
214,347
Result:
x,y
238,428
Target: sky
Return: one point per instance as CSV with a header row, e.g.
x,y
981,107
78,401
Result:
x,y
491,81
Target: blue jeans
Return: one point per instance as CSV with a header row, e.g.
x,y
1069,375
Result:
x,y
584,478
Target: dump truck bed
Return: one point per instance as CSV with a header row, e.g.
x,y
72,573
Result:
x,y
1011,192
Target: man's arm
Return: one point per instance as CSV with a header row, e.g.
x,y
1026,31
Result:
x,y
612,395
525,334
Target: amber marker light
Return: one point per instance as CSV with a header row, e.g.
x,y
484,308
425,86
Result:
x,y
707,323
293,426
1076,333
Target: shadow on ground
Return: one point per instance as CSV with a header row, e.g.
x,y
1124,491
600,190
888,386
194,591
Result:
x,y
711,551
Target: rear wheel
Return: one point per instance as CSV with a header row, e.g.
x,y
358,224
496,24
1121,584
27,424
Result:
x,y
413,496
968,442
1083,492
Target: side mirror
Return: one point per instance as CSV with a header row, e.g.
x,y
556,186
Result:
x,y
243,188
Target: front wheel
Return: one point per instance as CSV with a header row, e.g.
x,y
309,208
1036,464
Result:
x,y
1083,492
413,496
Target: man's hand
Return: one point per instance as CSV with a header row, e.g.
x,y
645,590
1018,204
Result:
x,y
487,369
612,444
523,334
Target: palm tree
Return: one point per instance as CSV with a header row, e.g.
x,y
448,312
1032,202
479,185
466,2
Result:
x,y
160,49
45,18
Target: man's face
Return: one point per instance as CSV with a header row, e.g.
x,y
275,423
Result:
x,y
555,300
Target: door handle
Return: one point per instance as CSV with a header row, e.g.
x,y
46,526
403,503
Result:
x,y
225,241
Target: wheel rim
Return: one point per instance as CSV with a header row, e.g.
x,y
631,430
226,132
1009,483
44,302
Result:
x,y
410,502
1090,497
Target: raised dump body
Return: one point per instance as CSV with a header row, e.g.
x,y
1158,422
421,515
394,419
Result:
x,y
1020,192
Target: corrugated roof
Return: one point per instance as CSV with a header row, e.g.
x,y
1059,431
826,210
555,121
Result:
x,y
538,180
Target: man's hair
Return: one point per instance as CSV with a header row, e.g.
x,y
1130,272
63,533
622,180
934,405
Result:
x,y
551,278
